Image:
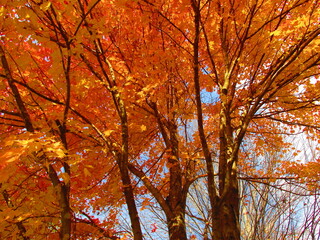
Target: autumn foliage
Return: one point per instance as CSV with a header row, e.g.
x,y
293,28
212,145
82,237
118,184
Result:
x,y
180,109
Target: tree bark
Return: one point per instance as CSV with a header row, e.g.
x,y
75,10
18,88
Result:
x,y
176,200
65,211
177,225
226,214
123,160
177,197
129,196
226,211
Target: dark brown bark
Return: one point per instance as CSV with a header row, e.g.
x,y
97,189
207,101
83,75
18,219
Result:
x,y
27,121
123,159
226,211
177,226
129,196
176,199
225,204
176,219
226,216
177,196
23,110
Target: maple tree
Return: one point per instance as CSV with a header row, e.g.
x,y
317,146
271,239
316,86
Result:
x,y
108,103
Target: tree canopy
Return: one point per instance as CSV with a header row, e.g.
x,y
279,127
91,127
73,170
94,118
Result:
x,y
167,119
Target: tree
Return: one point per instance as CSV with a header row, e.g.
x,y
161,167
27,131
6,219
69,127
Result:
x,y
105,99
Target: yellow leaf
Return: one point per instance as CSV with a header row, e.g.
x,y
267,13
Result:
x,y
1,11
20,218
114,88
45,6
10,156
25,142
60,153
276,33
143,128
108,133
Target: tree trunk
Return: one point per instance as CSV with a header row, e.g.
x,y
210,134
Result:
x,y
63,196
226,215
226,212
177,226
174,205
129,196
177,195
123,160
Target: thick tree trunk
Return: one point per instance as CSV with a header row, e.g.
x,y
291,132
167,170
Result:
x,y
177,195
226,212
175,203
226,224
226,215
177,226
